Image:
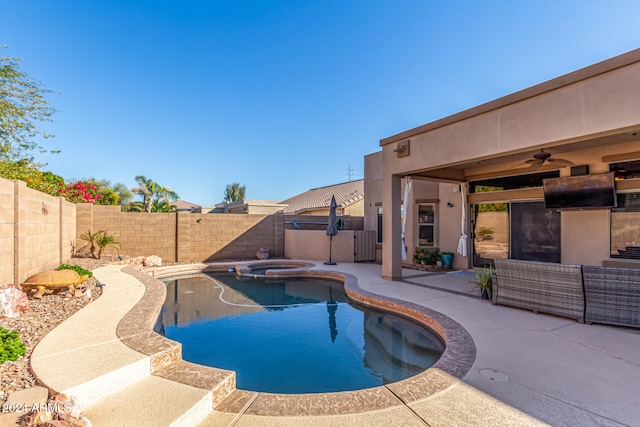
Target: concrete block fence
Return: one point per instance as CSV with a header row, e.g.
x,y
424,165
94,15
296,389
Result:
x,y
183,236
38,232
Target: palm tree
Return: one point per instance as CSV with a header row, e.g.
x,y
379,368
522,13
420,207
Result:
x,y
92,240
151,191
161,205
105,241
166,194
234,192
134,207
146,188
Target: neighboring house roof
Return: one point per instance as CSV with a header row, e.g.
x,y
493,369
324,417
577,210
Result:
x,y
183,205
346,194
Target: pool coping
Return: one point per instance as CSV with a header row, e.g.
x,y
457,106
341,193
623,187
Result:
x,y
138,329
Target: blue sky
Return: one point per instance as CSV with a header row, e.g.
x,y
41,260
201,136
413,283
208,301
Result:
x,y
282,96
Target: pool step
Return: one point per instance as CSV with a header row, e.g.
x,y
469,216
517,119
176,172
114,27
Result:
x,y
220,382
153,401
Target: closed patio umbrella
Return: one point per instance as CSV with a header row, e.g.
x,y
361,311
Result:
x,y
332,228
462,243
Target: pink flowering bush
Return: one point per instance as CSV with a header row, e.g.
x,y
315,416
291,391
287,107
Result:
x,y
79,192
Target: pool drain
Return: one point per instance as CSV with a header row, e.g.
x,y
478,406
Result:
x,y
494,375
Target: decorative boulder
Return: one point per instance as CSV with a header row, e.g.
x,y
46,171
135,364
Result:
x,y
152,261
12,301
262,253
54,280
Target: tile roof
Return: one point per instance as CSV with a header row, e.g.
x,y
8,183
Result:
x,y
318,198
184,205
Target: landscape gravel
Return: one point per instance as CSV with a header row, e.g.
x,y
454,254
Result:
x,y
42,316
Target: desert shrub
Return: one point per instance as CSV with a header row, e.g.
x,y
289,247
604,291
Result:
x,y
81,271
10,345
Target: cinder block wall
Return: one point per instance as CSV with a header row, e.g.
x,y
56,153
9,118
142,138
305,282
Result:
x,y
137,233
214,237
39,232
185,237
7,231
36,231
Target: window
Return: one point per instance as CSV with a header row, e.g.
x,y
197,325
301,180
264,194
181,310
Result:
x,y
426,225
625,227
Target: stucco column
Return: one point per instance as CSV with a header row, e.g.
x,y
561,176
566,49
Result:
x,y
391,228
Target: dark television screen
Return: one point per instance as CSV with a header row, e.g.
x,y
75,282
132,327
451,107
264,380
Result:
x,y
584,191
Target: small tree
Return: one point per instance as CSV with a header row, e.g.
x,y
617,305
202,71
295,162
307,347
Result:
x,y
25,170
22,106
234,192
151,190
116,194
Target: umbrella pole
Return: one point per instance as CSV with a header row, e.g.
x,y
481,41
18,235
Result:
x,y
330,246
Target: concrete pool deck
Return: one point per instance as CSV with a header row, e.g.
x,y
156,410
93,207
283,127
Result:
x,y
529,369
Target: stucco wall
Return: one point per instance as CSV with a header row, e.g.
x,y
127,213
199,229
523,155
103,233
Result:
x,y
585,236
600,105
588,117
449,219
314,245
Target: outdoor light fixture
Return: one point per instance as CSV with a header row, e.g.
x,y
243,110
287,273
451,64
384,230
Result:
x,y
402,148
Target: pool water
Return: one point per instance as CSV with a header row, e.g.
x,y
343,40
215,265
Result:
x,y
292,335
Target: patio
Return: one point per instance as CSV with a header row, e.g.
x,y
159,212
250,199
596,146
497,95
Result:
x,y
530,369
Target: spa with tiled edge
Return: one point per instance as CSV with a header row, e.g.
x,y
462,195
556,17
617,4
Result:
x,y
167,363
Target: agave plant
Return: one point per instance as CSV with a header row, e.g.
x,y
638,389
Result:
x,y
484,281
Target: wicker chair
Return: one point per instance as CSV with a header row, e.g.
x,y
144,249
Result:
x,y
541,287
612,295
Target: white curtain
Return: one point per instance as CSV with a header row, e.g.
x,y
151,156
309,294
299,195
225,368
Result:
x,y
462,243
407,193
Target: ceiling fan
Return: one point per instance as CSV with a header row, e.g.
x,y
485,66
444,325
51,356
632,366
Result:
x,y
543,157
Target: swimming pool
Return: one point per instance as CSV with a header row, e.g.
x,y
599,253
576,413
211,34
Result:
x,y
292,335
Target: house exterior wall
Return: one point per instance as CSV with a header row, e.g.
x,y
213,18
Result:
x,y
583,108
439,194
600,105
356,209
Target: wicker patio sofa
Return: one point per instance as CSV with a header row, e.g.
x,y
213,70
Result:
x,y
541,287
612,295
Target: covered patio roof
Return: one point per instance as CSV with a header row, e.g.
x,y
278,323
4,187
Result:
x,y
591,108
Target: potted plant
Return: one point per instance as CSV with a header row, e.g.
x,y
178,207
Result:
x,y
447,258
484,281
430,256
